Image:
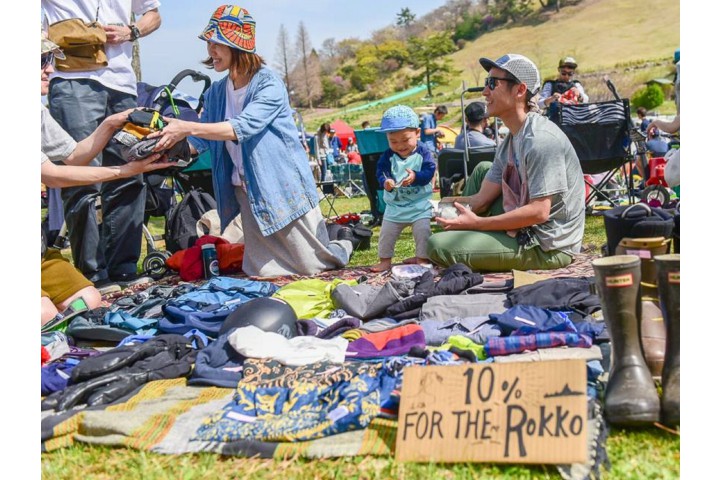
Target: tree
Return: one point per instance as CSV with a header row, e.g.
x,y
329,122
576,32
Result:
x,y
284,55
428,55
513,9
649,97
308,69
404,18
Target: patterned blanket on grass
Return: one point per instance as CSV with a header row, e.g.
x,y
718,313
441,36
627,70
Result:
x,y
164,415
580,267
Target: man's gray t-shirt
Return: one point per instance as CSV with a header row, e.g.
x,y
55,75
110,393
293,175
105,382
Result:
x,y
55,143
549,165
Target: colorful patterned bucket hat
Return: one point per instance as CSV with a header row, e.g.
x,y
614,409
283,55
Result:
x,y
231,26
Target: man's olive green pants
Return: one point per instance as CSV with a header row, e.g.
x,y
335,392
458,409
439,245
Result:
x,y
490,251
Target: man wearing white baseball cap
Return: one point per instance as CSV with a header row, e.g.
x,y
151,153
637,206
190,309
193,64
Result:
x,y
527,207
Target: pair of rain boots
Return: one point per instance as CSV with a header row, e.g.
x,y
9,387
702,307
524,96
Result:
x,y
631,398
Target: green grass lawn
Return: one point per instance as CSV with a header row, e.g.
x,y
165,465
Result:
x,y
634,454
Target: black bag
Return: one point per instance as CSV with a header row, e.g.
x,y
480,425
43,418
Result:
x,y
180,228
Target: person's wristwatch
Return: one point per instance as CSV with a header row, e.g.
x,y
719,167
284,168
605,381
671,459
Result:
x,y
134,32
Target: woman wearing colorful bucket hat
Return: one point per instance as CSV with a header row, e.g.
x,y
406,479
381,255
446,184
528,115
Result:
x,y
259,166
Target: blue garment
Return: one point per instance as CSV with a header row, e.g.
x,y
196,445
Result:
x,y
280,185
657,147
336,146
428,121
529,320
411,203
54,377
301,403
218,364
477,329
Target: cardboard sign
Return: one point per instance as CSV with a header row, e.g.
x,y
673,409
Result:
x,y
526,412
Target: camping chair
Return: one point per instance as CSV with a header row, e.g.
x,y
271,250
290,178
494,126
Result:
x,y
347,176
328,193
450,166
600,134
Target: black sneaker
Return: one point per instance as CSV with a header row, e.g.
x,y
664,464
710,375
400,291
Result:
x,y
126,280
107,286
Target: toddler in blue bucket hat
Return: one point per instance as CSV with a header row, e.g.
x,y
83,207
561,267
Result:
x,y
405,171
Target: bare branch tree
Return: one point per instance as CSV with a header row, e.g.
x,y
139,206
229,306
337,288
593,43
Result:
x,y
308,68
284,56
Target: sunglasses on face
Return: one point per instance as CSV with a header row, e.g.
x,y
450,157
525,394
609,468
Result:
x,y
567,73
46,59
491,82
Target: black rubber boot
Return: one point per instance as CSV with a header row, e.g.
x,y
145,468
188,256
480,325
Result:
x,y
631,398
669,285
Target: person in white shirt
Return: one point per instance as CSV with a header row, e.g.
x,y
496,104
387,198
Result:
x,y
80,101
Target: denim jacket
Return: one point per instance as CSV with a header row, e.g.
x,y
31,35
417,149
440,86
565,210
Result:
x,y
278,178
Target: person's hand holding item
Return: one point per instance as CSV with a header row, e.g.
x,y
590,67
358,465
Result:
x,y
174,131
552,99
152,162
407,181
117,120
389,184
466,219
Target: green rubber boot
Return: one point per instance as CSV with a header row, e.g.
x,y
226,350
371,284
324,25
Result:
x,y
631,398
669,286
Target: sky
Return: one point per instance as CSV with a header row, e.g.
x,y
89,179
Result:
x,y
175,46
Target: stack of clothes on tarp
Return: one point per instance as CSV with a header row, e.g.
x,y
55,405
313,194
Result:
x,y
179,382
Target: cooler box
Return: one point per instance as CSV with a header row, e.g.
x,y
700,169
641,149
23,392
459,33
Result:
x,y
372,144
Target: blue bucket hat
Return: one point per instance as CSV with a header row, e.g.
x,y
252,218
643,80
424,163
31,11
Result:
x,y
398,118
231,26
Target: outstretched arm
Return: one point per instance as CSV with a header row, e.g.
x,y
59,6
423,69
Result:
x,y
667,127
88,148
60,176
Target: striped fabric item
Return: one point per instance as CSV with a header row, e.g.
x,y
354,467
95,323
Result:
x,y
598,113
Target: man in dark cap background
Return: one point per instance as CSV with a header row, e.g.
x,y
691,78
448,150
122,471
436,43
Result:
x,y
476,119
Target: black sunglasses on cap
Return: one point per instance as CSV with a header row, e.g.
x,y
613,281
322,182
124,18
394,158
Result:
x,y
46,59
491,82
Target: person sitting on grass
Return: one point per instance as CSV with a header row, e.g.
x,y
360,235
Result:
x,y
405,171
527,207
61,283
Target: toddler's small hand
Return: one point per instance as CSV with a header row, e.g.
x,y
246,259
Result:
x,y
389,184
407,181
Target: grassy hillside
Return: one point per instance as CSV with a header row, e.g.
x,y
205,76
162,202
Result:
x,y
629,40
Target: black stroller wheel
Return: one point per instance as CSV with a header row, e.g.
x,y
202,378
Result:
x,y
154,264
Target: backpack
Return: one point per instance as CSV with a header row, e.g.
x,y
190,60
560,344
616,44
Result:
x,y
206,307
180,228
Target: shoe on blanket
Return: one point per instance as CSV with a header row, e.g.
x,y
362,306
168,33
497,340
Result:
x,y
126,280
107,286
